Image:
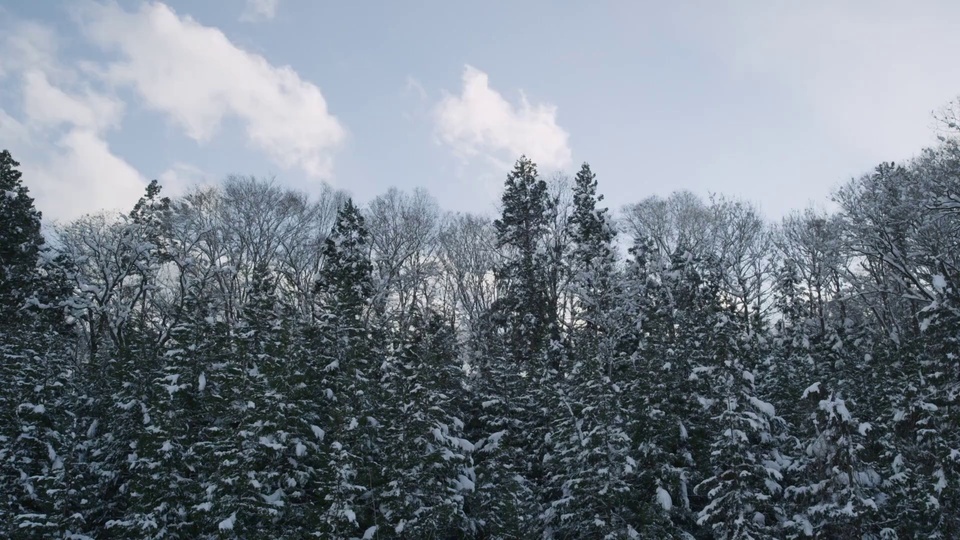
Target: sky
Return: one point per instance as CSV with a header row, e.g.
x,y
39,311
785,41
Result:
x,y
773,102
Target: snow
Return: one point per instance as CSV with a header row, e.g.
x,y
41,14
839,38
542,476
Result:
x,y
317,432
493,441
941,480
764,407
664,499
939,282
836,407
202,383
462,444
812,389
930,407
227,524
369,533
275,498
300,449
464,483
271,443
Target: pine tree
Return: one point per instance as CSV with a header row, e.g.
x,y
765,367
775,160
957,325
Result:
x,y
511,372
351,473
520,230
668,305
594,263
745,481
35,424
590,465
20,242
428,469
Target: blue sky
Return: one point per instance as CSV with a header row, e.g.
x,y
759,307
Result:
x,y
774,102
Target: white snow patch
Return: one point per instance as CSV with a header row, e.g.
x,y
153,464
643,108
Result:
x,y
202,383
493,441
812,389
275,498
939,282
369,533
317,432
462,483
764,407
664,498
301,449
227,524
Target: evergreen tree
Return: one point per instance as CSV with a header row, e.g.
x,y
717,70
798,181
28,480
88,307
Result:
x,y
351,474
511,373
36,432
745,480
523,304
20,242
428,468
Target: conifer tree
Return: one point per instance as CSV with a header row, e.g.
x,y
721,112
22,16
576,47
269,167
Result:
x,y
351,474
20,242
428,468
744,483
520,230
36,431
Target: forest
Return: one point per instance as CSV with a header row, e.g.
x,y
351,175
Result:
x,y
251,361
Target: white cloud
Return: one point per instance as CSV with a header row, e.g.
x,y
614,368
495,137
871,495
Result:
x,y
481,122
83,176
259,10
194,74
27,45
51,106
67,164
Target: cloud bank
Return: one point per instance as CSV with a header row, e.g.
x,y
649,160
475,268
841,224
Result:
x,y
190,73
480,122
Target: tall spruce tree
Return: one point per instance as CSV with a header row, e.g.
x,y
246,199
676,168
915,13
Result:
x,y
36,429
351,475
20,242
520,230
590,465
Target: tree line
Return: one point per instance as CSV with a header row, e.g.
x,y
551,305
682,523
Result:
x,y
249,361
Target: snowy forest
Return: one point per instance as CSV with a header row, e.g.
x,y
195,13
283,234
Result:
x,y
250,361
